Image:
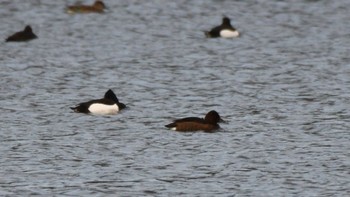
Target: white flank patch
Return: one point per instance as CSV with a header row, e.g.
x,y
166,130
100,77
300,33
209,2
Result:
x,y
173,128
102,109
226,33
69,11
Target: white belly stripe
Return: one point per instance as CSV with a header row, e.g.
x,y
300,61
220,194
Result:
x,y
102,109
229,33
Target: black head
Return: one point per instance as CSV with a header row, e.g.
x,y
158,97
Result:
x,y
28,29
226,21
213,117
111,96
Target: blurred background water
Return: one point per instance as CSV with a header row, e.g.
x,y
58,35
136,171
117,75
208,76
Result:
x,y
283,87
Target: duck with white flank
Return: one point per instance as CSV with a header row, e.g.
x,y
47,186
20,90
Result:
x,y
225,30
108,105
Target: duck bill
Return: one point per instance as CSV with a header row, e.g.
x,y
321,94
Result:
x,y
223,121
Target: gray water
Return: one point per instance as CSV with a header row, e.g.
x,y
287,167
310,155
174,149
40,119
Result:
x,y
283,87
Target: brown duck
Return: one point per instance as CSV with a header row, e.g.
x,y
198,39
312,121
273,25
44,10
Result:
x,y
97,7
208,124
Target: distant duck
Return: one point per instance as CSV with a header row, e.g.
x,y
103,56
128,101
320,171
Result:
x,y
225,30
97,7
208,124
108,105
22,36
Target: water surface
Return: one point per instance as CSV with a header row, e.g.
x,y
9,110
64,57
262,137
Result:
x,y
283,87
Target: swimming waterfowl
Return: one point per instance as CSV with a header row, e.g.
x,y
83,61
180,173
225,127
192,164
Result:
x,y
97,7
209,123
108,105
225,30
22,36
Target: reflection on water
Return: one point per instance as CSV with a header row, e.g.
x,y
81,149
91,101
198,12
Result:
x,y
283,87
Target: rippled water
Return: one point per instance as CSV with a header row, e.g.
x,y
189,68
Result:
x,y
283,87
